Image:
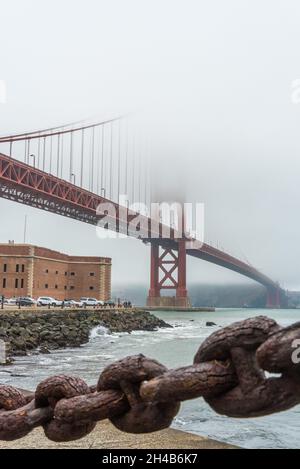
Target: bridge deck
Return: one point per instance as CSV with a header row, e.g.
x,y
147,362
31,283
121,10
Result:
x,y
28,185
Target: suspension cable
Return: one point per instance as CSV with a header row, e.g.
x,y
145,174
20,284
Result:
x,y
49,133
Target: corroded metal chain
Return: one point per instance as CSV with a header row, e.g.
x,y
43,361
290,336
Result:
x,y
139,395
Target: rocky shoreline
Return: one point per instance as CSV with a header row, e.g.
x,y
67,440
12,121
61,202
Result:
x,y
25,331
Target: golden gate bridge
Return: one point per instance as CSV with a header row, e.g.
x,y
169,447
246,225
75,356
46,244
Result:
x,y
70,170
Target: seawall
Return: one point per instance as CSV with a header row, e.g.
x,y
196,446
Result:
x,y
106,436
199,309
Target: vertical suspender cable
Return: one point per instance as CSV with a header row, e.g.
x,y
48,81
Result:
x,y
10,148
126,162
51,147
62,156
133,170
71,156
44,153
92,158
28,150
146,173
58,150
90,153
82,153
149,174
111,161
102,162
98,162
39,153
99,169
119,161
150,182
140,174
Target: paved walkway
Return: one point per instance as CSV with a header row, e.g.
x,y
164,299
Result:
x,y
106,436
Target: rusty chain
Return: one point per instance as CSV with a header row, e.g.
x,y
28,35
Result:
x,y
139,395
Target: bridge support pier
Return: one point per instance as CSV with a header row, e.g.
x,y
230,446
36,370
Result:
x,y
273,298
168,272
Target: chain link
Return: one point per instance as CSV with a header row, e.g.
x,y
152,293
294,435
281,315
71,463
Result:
x,y
139,395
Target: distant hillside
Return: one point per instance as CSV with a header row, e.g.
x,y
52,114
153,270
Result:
x,y
226,296
294,299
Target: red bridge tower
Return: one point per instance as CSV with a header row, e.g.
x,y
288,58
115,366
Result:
x,y
168,272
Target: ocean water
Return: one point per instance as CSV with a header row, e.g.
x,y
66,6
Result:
x,y
172,347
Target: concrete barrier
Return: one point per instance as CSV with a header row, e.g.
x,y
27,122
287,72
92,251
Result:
x,y
106,436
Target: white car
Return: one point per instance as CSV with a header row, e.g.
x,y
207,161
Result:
x,y
89,301
48,300
10,301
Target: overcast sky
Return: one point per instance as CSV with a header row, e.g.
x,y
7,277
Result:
x,y
215,80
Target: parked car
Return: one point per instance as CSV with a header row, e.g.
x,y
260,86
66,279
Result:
x,y
72,303
10,301
89,301
25,301
48,300
30,298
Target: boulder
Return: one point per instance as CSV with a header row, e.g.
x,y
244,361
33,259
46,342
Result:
x,y
210,324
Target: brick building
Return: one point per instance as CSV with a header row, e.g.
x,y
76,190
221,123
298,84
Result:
x,y
27,270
